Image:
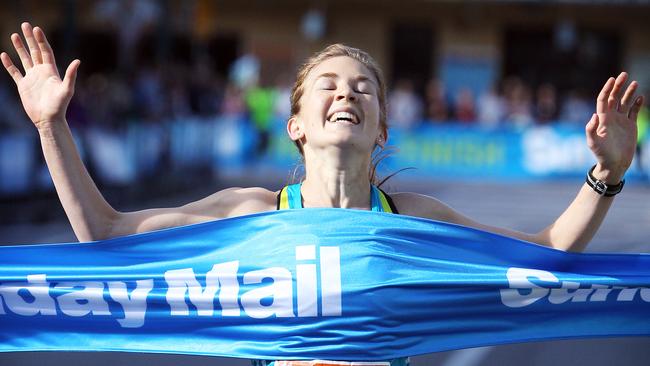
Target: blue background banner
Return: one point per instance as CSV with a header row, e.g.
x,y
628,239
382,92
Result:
x,y
470,153
228,146
330,284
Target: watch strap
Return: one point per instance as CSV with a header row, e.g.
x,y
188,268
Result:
x,y
601,187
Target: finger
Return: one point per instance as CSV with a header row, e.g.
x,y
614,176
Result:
x,y
71,75
636,107
601,101
592,125
25,59
591,130
34,51
44,46
612,101
628,98
11,68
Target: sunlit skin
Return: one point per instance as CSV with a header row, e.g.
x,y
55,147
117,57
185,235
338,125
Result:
x,y
337,154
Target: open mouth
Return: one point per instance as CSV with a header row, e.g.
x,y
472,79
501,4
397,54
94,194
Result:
x,y
344,117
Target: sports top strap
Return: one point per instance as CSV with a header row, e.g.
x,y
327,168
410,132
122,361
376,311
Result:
x,y
290,198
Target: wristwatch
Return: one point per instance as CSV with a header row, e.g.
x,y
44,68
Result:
x,y
601,187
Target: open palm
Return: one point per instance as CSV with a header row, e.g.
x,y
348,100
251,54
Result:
x,y
612,131
45,96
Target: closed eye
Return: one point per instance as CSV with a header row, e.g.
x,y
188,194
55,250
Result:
x,y
325,84
364,87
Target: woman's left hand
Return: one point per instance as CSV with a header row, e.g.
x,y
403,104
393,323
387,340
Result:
x,y
612,130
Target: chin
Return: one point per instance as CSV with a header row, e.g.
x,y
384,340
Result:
x,y
351,142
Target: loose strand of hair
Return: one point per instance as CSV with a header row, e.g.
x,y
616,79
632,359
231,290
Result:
x,y
379,157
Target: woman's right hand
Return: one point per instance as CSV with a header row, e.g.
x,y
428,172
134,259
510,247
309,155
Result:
x,y
44,95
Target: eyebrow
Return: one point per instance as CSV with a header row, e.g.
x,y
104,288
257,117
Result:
x,y
335,75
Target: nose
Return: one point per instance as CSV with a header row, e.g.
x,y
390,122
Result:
x,y
346,92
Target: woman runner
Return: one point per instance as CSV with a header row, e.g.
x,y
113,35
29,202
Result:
x,y
338,107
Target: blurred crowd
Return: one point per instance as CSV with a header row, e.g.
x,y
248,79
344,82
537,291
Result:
x,y
136,91
511,103
173,91
141,128
178,91
160,111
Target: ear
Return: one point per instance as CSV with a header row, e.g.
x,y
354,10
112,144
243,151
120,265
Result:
x,y
382,139
294,129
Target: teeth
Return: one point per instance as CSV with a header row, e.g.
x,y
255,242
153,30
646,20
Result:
x,y
345,116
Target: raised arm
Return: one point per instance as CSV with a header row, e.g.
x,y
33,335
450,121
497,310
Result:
x,y
45,97
611,136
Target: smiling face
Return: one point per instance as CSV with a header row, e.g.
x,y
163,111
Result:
x,y
338,100
339,106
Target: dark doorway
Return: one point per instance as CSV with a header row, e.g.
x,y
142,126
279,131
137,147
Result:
x,y
537,56
96,49
223,51
412,54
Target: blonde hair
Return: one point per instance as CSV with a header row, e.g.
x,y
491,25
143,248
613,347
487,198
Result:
x,y
337,50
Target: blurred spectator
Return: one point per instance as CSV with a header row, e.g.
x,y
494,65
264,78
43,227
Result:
x,y
121,99
464,108
405,106
577,109
491,108
129,19
546,104
77,115
282,108
13,116
95,98
149,93
518,102
261,104
643,124
245,71
179,104
205,88
436,101
233,105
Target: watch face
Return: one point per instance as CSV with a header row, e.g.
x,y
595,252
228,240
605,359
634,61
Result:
x,y
595,183
600,187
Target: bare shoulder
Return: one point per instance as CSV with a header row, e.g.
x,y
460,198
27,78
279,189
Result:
x,y
225,203
420,205
235,201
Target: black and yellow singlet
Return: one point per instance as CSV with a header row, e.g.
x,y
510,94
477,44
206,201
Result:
x,y
290,198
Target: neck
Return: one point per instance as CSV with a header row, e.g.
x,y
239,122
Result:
x,y
336,178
